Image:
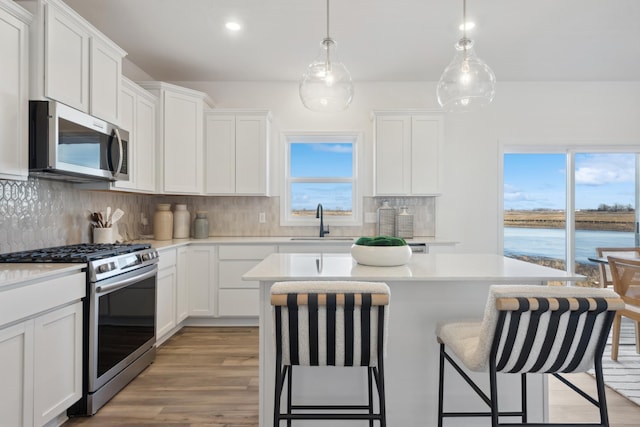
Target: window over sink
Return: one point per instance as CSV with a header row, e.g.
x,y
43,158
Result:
x,y
321,168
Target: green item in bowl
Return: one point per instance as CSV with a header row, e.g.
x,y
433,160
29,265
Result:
x,y
381,241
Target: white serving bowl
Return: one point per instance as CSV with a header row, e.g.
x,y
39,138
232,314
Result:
x,y
381,256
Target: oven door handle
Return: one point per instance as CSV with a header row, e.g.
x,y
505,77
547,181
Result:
x,y
124,283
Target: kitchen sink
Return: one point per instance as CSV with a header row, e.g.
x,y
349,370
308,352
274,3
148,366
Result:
x,y
322,238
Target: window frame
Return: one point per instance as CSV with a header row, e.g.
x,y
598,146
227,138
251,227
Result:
x,y
569,149
329,137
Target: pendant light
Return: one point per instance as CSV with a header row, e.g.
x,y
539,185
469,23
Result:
x,y
326,85
467,83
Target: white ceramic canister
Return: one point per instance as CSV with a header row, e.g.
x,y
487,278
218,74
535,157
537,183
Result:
x,y
181,222
163,222
201,225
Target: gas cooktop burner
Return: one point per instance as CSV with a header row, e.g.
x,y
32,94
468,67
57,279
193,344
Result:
x,y
83,252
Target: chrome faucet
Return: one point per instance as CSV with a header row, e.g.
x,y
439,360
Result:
x,y
320,214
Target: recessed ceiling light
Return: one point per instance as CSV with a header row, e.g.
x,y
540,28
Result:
x,y
233,26
470,26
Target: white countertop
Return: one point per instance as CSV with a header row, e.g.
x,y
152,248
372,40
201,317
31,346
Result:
x,y
421,267
16,273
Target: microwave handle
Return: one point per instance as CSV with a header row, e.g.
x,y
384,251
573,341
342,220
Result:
x,y
116,172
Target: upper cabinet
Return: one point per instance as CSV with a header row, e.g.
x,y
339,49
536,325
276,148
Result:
x,y
72,62
236,150
408,150
14,91
180,141
138,116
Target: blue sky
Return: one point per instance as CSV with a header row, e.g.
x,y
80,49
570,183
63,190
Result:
x,y
538,180
321,160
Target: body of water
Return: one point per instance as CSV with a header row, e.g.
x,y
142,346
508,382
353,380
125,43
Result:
x,y
550,243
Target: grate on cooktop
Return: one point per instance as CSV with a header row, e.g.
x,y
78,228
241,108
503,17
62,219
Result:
x,y
83,252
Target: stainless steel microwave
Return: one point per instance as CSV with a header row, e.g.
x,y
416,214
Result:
x,y
70,145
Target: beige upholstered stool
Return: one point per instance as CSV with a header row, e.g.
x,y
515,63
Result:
x,y
531,329
330,324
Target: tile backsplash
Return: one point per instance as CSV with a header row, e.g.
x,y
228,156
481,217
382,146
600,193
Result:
x,y
40,213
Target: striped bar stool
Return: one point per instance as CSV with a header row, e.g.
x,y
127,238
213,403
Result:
x,y
330,324
531,329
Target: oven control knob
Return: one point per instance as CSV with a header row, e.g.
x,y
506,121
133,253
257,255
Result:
x,y
103,268
146,257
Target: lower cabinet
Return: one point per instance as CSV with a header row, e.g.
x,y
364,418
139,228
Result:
x,y
171,293
201,280
237,297
41,367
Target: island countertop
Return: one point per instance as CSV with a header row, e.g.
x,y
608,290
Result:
x,y
429,289
420,268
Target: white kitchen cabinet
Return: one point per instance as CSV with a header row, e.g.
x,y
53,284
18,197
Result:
x,y
138,116
236,297
14,91
408,150
166,295
201,279
73,62
182,285
58,353
237,147
180,138
16,370
40,349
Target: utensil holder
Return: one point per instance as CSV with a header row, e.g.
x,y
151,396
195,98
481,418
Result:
x,y
103,235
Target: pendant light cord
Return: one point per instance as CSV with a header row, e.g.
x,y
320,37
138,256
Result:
x,y
328,42
328,20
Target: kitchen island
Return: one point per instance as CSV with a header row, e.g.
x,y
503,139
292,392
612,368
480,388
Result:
x,y
427,290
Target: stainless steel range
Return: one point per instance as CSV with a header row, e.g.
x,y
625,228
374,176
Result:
x,y
119,314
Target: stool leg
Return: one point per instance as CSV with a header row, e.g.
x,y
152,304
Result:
x,y
493,384
602,398
441,386
289,393
277,396
523,397
370,392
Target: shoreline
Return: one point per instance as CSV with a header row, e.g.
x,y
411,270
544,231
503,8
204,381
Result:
x,y
585,220
588,269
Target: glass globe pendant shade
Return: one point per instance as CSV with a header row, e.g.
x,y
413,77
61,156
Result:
x,y
467,83
326,85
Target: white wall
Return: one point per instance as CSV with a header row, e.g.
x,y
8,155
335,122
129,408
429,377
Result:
x,y
522,113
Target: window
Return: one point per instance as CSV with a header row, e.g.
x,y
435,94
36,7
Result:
x,y
558,207
321,168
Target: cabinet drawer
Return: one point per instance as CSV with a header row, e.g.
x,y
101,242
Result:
x,y
238,302
27,300
167,258
259,252
231,272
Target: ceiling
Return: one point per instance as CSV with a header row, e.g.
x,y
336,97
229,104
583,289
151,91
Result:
x,y
390,40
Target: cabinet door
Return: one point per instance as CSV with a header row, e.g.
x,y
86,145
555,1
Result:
x,y
202,281
251,155
16,371
145,144
182,293
220,134
239,302
14,95
128,100
182,160
57,362
426,139
105,78
66,59
392,155
165,301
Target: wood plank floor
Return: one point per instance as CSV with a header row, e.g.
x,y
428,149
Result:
x,y
209,377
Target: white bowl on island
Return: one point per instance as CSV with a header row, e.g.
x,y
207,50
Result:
x,y
381,256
